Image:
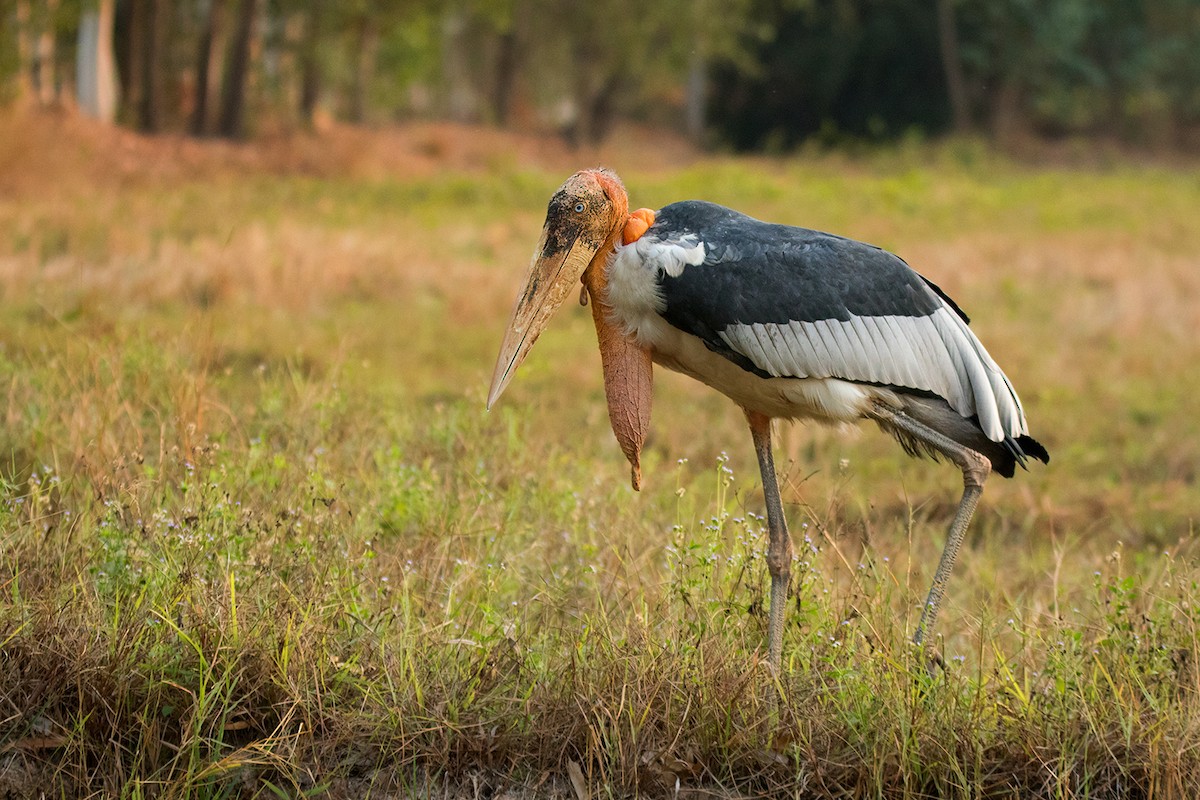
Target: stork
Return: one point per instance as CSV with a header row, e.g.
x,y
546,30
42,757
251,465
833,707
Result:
x,y
789,323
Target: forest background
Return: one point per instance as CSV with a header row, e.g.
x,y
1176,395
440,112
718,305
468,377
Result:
x,y
742,74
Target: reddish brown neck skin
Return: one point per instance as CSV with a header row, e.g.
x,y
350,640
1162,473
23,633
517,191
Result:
x,y
628,376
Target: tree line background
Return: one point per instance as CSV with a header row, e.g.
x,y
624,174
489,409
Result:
x,y
748,74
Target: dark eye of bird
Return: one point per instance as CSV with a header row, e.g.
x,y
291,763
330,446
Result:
x,y
579,208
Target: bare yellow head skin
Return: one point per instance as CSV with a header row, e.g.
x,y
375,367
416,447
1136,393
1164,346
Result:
x,y
586,218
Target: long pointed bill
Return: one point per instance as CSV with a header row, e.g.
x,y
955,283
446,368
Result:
x,y
563,253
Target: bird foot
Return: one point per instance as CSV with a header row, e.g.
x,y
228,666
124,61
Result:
x,y
934,662
931,658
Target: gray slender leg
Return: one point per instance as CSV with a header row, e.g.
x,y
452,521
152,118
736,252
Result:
x,y
975,468
779,552
954,539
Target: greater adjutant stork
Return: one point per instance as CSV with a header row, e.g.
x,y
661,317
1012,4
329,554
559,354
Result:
x,y
787,322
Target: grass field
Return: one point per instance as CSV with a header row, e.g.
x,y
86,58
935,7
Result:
x,y
258,536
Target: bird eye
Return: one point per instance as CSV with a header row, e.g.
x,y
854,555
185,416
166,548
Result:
x,y
579,208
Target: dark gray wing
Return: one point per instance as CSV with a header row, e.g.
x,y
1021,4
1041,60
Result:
x,y
784,301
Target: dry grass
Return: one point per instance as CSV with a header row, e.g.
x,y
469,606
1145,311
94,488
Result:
x,y
258,538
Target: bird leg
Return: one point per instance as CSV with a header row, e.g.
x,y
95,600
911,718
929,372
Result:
x,y
975,468
779,552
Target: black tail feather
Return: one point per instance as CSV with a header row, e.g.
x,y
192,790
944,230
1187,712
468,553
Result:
x,y
1024,447
937,414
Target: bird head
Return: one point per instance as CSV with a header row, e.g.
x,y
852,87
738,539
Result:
x,y
583,222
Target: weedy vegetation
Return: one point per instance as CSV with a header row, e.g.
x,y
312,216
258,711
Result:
x,y
258,536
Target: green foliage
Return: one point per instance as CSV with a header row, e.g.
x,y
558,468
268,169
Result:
x,y
833,70
1081,66
875,69
762,74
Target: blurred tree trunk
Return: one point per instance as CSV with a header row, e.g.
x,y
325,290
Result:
x,y
25,84
131,19
956,84
595,97
149,53
96,79
461,99
1008,124
207,67
696,102
24,50
310,63
366,36
46,78
232,122
603,108
507,63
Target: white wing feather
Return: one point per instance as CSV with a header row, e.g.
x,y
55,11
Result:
x,y
936,353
